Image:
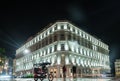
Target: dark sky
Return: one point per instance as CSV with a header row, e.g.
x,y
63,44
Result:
x,y
21,19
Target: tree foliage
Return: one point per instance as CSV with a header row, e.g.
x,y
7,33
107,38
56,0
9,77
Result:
x,y
2,52
2,56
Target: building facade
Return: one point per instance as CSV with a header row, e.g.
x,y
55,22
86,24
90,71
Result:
x,y
63,43
117,68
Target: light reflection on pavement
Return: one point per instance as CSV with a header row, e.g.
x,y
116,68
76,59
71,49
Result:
x,y
67,79
58,79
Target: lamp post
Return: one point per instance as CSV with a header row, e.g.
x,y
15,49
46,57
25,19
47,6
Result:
x,y
26,51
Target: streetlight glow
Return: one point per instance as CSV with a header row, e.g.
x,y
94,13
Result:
x,y
26,51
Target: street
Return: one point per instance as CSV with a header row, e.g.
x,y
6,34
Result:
x,y
57,79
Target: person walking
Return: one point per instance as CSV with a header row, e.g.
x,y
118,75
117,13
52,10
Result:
x,y
64,71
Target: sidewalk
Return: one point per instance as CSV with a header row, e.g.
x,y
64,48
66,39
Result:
x,y
115,79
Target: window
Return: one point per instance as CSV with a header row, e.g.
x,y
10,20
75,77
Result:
x,y
62,47
73,29
44,34
50,30
65,26
68,26
62,26
76,31
50,39
43,43
84,52
79,41
69,37
35,40
55,38
55,27
50,49
74,38
46,41
88,52
62,36
55,47
38,38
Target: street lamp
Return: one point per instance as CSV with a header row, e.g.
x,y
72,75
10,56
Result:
x,y
26,51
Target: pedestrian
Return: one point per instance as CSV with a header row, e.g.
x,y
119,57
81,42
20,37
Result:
x,y
64,71
74,71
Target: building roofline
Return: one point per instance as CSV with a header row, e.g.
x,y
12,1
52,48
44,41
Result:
x,y
64,20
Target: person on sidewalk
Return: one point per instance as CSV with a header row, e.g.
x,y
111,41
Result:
x,y
64,71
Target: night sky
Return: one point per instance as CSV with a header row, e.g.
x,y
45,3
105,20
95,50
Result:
x,y
21,19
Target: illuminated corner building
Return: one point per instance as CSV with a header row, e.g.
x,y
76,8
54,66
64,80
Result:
x,y
64,43
117,68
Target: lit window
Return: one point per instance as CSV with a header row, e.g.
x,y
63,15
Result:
x,y
88,53
59,26
71,28
41,36
32,57
44,52
81,50
66,46
52,48
48,32
80,33
58,47
38,38
53,29
65,26
48,50
45,34
83,35
84,52
77,50
90,38
87,36
76,31
34,40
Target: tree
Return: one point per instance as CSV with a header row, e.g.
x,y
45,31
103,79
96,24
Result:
x,y
2,56
2,52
